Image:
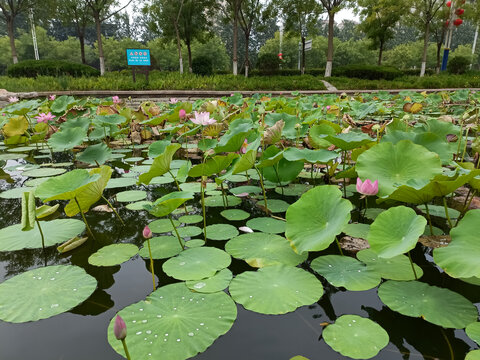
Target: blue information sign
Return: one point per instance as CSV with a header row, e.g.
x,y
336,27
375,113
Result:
x,y
138,57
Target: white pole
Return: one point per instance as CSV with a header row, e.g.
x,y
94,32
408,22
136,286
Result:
x,y
475,38
34,35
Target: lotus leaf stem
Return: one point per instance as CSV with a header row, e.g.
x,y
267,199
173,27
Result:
x,y
113,209
344,178
465,208
179,189
202,194
41,233
151,264
127,354
339,247
450,349
263,190
224,198
465,146
176,232
446,212
413,267
429,219
84,219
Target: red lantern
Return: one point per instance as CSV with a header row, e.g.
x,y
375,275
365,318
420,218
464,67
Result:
x,y
458,22
459,12
280,56
449,3
447,23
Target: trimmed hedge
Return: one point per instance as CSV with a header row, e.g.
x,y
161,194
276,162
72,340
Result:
x,y
34,68
202,65
367,72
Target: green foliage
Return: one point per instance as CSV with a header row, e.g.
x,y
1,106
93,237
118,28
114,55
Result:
x,y
458,64
202,65
268,63
370,72
34,68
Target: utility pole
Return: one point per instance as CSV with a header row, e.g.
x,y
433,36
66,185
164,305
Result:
x,y
34,35
453,21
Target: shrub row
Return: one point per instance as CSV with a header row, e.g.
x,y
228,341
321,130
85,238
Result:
x,y
34,68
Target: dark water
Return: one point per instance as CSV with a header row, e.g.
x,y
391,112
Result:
x,y
82,333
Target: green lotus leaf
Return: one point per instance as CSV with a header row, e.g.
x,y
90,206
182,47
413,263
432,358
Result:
x,y
212,166
460,258
139,205
347,272
112,255
89,194
61,103
271,156
161,164
217,201
45,210
274,205
193,243
473,355
395,231
190,219
395,268
311,156
267,225
157,148
111,119
439,306
15,193
355,337
246,162
396,165
44,292
318,133
163,225
440,185
350,140
196,187
293,189
283,172
57,231
95,154
473,331
235,136
120,183
221,232
276,289
249,189
131,195
197,263
316,218
217,282
15,126
189,231
67,139
260,250
43,172
28,211
162,247
177,323
235,214
82,122
64,187
168,203
357,230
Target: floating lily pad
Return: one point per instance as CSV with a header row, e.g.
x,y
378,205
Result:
x,y
355,337
35,181
395,268
437,210
196,187
56,231
43,172
235,214
131,195
67,138
44,292
274,205
473,355
163,247
217,201
189,231
460,257
197,263
134,159
259,250
347,272
221,232
217,282
15,193
439,306
97,154
163,225
12,156
177,323
112,255
293,189
276,289
139,205
267,225
357,230
316,218
237,178
246,189
473,331
395,231
160,180
372,213
193,243
190,219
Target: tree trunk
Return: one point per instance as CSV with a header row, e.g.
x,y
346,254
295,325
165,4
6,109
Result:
x,y
474,45
303,55
179,46
98,26
380,54
331,22
81,37
439,50
189,50
425,49
235,37
11,36
247,59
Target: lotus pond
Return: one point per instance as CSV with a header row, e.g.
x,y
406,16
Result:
x,y
318,227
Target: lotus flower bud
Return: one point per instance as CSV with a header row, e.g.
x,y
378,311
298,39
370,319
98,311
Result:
x,y
367,187
120,328
182,113
147,233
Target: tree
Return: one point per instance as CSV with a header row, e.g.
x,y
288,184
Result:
x,y
331,6
10,10
423,13
300,16
378,20
250,12
231,12
101,11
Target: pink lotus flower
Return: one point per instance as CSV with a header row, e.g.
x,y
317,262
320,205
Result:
x,y
203,118
147,233
328,107
52,97
173,100
182,113
120,328
13,99
243,149
45,118
116,100
366,187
